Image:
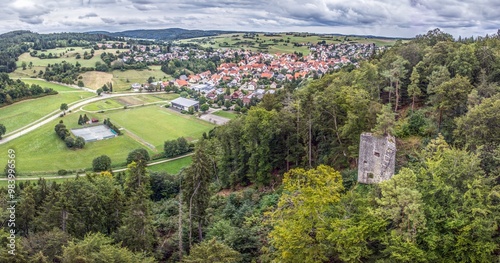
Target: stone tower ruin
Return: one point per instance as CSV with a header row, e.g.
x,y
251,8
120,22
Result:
x,y
377,158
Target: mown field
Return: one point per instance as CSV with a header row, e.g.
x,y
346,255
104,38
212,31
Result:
x,y
280,43
156,124
24,112
42,151
172,167
121,102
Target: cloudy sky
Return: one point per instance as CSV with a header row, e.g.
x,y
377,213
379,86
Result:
x,y
400,18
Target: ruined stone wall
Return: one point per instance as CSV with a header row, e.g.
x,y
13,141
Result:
x,y
377,158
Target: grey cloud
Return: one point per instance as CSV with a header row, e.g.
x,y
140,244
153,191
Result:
x,y
31,20
88,15
144,7
107,20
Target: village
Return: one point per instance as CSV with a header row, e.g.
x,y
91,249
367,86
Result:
x,y
249,74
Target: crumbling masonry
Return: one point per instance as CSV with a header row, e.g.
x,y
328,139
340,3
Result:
x,y
377,158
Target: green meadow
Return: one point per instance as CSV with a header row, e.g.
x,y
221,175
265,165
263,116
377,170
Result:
x,y
156,124
280,43
172,167
24,112
42,151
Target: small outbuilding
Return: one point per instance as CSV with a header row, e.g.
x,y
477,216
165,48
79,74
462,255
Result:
x,y
184,104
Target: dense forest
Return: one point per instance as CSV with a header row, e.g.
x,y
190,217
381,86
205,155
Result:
x,y
15,43
279,183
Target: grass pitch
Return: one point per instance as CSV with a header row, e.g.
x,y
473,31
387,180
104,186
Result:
x,y
156,124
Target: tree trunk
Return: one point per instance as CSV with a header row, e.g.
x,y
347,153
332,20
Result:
x,y
200,231
191,214
397,96
412,103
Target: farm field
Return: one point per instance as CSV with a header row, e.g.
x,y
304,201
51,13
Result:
x,y
42,151
122,80
280,43
172,167
69,56
96,79
24,112
156,124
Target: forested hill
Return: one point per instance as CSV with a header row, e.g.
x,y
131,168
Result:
x,y
13,44
165,34
279,183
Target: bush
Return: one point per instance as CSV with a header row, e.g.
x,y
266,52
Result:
x,y
62,172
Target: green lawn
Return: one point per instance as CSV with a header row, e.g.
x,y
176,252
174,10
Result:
x,y
46,84
226,114
24,112
172,167
157,124
42,151
120,102
103,105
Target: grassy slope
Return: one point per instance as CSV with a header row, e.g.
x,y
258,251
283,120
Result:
x,y
22,113
172,167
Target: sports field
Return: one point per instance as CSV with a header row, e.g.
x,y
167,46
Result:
x,y
120,102
42,151
156,124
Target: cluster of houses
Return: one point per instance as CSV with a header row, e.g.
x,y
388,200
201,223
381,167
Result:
x,y
252,74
